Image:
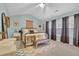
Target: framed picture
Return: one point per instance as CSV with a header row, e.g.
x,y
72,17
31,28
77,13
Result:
x,y
29,24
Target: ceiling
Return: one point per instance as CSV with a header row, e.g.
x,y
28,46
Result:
x,y
50,10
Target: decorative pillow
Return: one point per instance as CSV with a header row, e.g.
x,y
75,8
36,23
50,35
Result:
x,y
31,31
25,31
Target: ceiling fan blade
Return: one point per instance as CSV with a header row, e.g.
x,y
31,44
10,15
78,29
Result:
x,y
37,5
44,11
34,7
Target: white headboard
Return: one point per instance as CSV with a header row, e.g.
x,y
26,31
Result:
x,y
28,30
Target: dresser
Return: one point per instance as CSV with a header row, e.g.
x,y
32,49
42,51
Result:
x,y
16,35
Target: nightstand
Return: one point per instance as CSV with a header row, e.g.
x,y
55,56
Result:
x,y
17,36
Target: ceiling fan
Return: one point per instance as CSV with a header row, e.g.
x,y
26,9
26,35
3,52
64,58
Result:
x,y
43,7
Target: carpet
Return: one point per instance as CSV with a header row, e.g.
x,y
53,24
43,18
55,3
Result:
x,y
54,48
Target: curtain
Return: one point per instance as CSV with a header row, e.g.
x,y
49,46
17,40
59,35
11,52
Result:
x,y
76,30
53,30
47,28
65,30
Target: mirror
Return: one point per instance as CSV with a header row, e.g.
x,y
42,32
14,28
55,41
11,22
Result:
x,y
4,26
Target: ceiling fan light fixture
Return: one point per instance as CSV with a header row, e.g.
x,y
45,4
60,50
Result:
x,y
42,5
